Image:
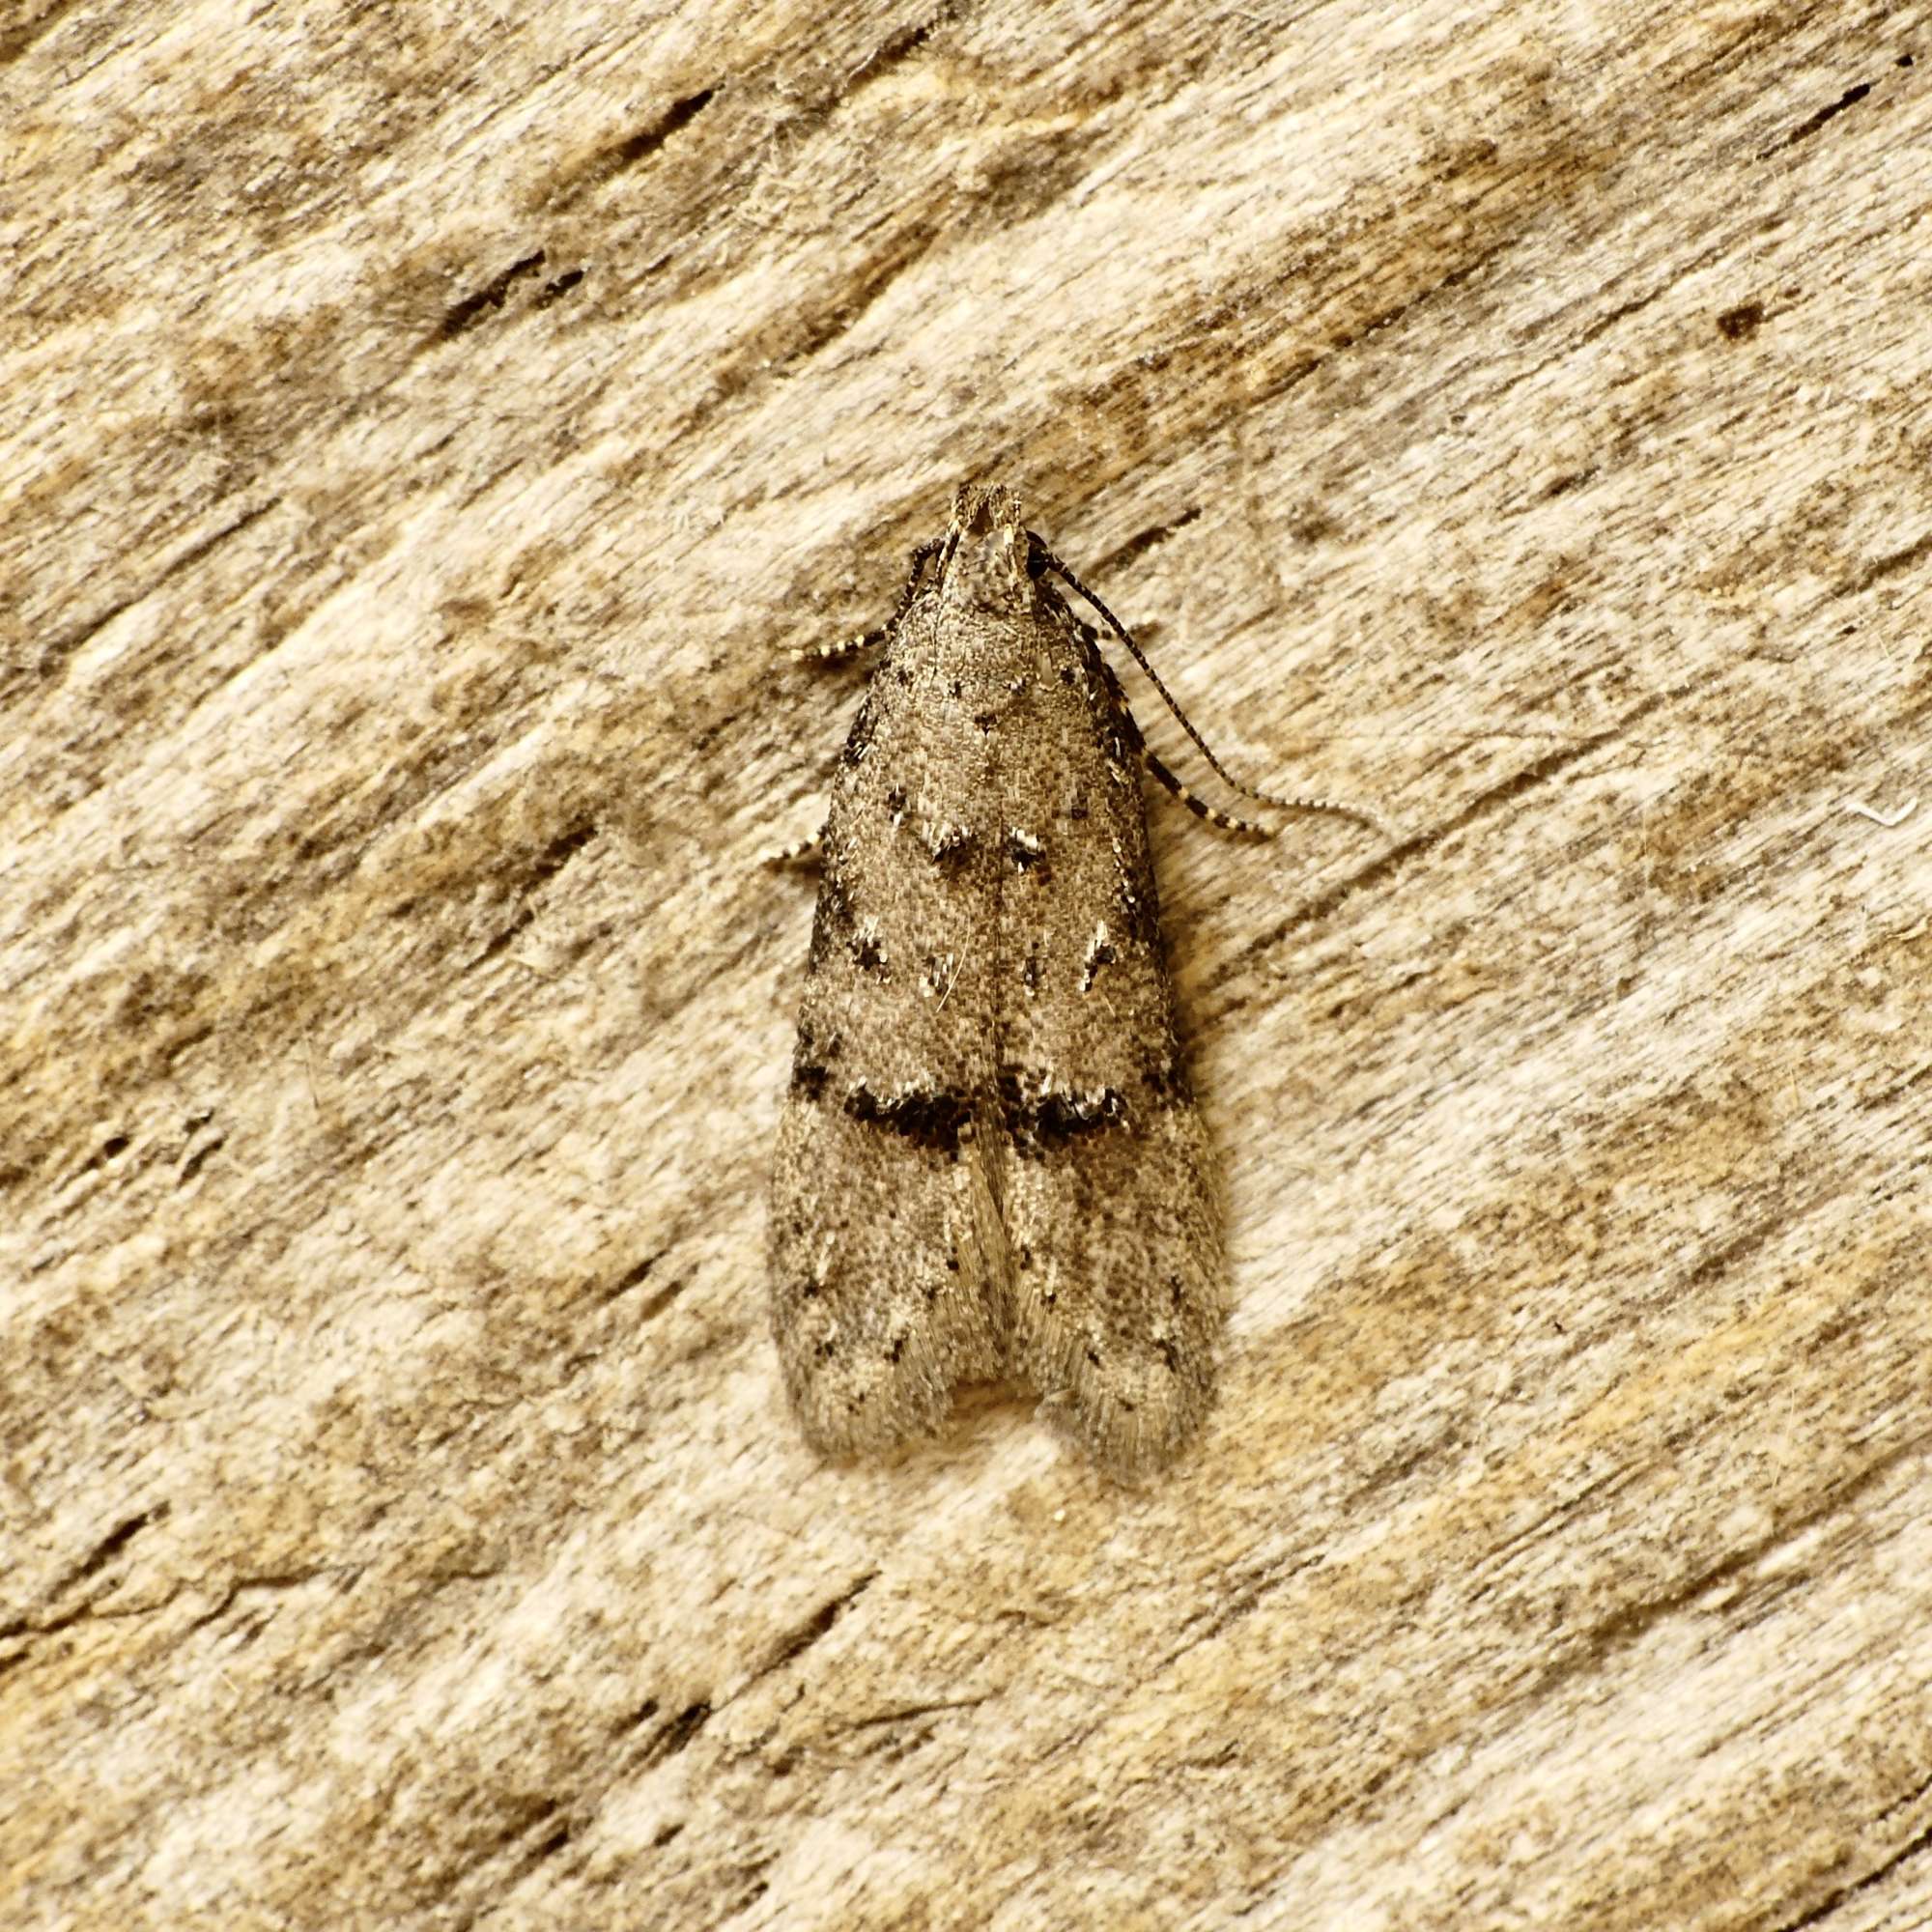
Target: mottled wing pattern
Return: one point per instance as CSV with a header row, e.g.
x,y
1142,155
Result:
x,y
887,1266
989,1162
1106,1190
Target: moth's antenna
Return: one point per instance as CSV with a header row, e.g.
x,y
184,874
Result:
x,y
1120,630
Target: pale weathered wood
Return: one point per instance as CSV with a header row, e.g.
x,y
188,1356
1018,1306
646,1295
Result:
x,y
422,435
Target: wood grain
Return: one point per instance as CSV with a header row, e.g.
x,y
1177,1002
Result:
x,y
423,433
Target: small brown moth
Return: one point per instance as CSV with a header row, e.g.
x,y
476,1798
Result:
x,y
990,1166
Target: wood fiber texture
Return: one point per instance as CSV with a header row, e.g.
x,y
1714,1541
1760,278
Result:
x,y
423,433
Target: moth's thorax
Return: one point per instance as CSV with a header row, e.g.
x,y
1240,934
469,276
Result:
x,y
981,654
977,627
986,571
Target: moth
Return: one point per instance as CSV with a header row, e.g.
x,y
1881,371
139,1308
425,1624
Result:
x,y
990,1166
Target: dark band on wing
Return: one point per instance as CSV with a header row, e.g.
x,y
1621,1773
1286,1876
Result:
x,y
934,1121
1039,1121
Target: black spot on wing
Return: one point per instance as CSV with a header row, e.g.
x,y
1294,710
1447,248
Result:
x,y
1138,904
1042,1121
1099,955
932,1120
1164,1075
832,923
860,740
813,1059
952,849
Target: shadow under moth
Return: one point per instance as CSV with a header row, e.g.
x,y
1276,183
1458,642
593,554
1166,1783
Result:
x,y
991,1167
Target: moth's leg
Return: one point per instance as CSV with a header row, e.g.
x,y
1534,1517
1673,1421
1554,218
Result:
x,y
845,647
879,634
848,647
784,855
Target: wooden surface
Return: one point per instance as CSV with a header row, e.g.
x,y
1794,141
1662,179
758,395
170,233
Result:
x,y
421,437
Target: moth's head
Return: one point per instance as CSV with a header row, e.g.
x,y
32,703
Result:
x,y
989,552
